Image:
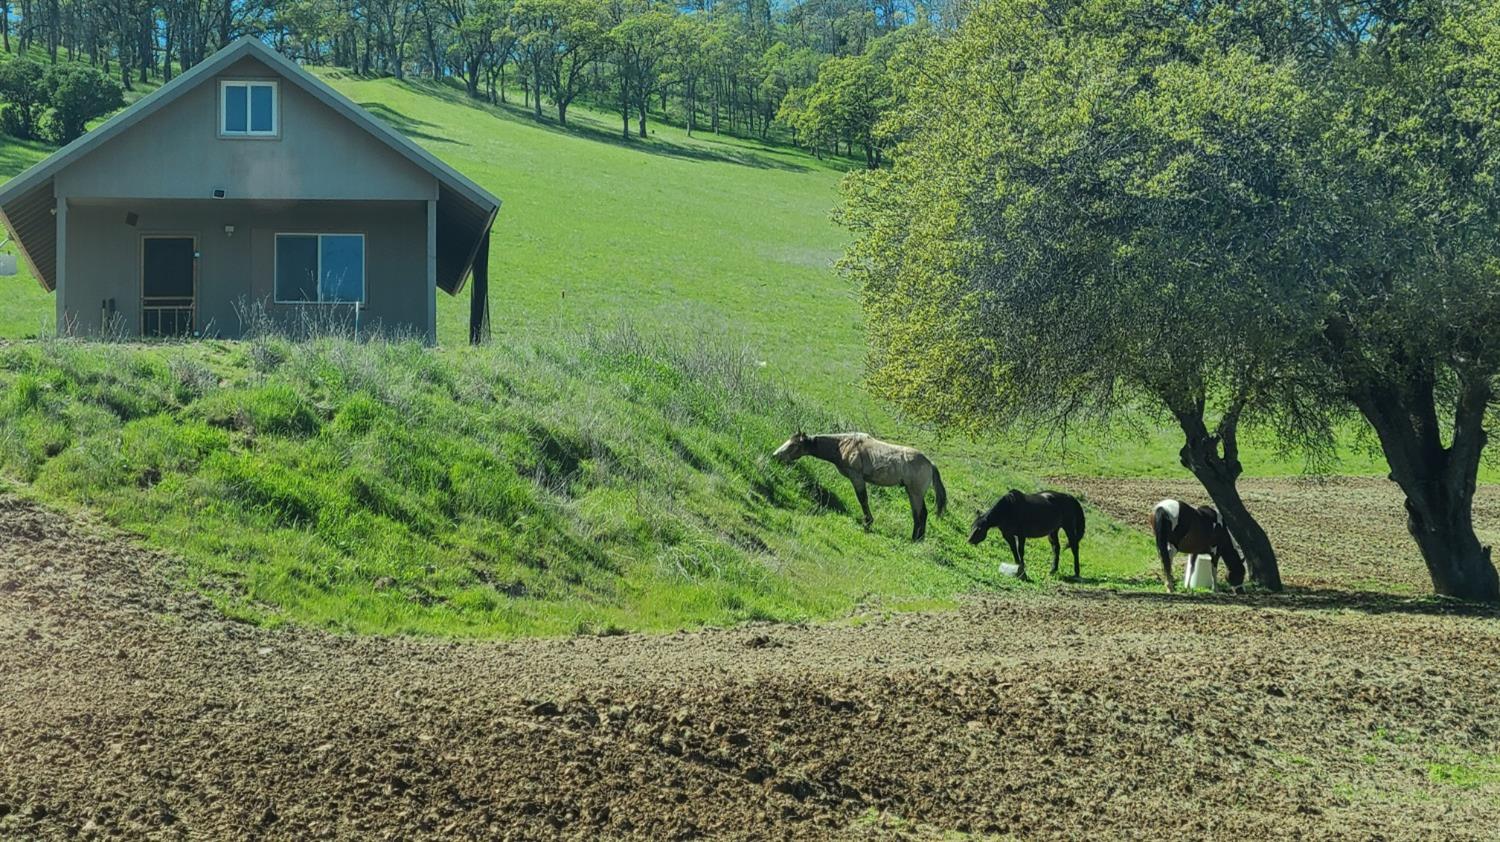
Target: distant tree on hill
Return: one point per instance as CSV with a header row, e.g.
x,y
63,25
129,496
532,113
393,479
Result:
x,y
561,40
843,106
641,39
475,25
23,96
79,93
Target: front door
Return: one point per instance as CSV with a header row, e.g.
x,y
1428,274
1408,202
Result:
x,y
169,285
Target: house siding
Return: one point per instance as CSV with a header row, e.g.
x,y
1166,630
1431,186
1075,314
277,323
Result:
x,y
103,260
177,153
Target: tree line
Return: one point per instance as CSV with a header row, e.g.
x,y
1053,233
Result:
x,y
815,70
1279,214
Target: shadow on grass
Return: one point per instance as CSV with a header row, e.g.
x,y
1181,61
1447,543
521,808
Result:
x,y
1305,599
409,126
587,131
17,155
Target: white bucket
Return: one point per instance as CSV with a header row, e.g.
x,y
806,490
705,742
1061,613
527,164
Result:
x,y
1008,569
1199,576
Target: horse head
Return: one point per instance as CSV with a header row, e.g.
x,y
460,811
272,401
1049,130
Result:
x,y
1233,563
979,528
793,448
985,521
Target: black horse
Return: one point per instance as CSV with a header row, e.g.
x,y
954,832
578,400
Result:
x,y
1020,516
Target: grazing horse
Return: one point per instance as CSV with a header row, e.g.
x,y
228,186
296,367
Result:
x,y
1181,528
1020,516
868,460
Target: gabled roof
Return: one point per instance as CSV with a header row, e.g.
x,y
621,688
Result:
x,y
465,210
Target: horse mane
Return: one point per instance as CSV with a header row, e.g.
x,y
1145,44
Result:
x,y
825,446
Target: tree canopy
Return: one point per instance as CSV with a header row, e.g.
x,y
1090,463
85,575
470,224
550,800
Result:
x,y
1275,213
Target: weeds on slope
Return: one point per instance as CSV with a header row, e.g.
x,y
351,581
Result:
x,y
609,480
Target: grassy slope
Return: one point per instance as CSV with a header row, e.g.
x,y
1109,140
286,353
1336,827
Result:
x,y
590,484
721,235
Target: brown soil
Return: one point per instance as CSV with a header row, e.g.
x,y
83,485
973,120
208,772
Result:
x,y
130,708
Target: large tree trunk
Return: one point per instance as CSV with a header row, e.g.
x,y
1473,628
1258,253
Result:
x,y
536,89
1443,527
1218,472
1438,481
624,111
471,77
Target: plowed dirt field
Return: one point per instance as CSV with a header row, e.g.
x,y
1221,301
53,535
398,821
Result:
x,y
130,708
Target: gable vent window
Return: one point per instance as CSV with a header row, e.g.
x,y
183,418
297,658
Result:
x,y
248,109
320,269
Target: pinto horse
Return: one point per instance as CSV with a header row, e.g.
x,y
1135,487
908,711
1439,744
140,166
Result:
x,y
1181,528
866,460
1020,516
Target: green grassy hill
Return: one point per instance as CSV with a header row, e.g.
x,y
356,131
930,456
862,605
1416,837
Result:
x,y
715,234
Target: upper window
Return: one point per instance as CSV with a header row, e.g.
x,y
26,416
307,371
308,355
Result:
x,y
320,268
248,109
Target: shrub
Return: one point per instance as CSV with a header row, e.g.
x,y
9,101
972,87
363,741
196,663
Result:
x,y
23,86
79,93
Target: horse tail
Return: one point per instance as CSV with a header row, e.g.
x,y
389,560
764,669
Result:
x,y
939,490
1162,526
1077,513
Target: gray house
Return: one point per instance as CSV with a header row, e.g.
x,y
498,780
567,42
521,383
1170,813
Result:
x,y
247,180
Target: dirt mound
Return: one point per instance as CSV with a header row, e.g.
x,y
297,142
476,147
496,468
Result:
x,y
131,708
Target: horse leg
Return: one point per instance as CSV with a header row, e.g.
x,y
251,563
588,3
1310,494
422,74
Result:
x,y
1056,551
864,499
916,495
1018,551
1073,545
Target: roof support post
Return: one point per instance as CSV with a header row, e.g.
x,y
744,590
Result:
x,y
62,266
432,271
479,295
